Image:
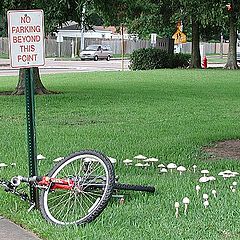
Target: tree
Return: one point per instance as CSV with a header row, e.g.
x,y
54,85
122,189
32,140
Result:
x,y
56,12
233,10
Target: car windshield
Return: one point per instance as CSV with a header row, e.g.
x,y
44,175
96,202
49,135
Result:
x,y
92,48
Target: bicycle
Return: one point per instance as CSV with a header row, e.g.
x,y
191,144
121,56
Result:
x,y
76,190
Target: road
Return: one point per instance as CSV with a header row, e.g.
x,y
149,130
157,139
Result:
x,y
53,66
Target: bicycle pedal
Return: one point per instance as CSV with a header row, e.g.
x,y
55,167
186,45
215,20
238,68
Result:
x,y
31,207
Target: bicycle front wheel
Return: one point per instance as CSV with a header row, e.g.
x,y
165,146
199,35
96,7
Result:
x,y
93,177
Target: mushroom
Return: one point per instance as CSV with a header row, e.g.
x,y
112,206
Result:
x,y
234,187
122,200
186,202
177,207
140,157
112,160
163,170
204,179
205,172
161,166
152,160
171,166
181,169
13,164
3,165
139,165
211,178
206,203
127,162
214,193
58,159
197,189
40,157
205,196
234,184
194,168
146,165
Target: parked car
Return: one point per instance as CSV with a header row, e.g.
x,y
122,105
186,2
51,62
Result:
x,y
95,52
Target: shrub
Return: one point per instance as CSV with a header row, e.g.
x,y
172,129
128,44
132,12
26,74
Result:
x,y
154,58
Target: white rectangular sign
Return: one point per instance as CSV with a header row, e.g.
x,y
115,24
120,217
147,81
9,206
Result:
x,y
26,38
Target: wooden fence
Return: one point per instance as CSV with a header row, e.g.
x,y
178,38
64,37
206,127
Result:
x,y
54,49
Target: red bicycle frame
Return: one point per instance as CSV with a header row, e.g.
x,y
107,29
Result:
x,y
56,183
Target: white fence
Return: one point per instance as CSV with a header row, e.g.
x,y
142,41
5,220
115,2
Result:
x,y
52,48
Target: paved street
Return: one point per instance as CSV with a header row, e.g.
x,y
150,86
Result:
x,y
53,66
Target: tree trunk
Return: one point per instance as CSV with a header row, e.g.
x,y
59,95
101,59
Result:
x,y
39,88
196,57
232,52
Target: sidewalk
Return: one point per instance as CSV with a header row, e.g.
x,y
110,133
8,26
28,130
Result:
x,y
11,231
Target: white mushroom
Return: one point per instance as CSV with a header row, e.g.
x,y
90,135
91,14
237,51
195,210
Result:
x,y
146,165
40,157
206,203
127,162
211,178
13,164
204,179
152,160
171,166
197,189
177,207
161,166
194,168
112,160
205,172
58,159
2,165
163,170
140,157
186,202
139,165
234,183
214,193
205,196
181,169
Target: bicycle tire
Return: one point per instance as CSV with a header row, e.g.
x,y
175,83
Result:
x,y
122,186
78,206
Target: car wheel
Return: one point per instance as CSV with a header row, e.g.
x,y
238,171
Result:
x,y
108,58
95,58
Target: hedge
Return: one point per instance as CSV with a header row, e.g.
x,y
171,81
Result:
x,y
154,58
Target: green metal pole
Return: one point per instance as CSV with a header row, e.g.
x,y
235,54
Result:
x,y
31,132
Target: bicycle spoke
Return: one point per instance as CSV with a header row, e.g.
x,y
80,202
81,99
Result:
x,y
90,172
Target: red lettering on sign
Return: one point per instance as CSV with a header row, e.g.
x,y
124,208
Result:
x,y
27,58
25,19
26,39
27,48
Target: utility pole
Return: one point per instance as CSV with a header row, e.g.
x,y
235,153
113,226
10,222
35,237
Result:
x,y
82,27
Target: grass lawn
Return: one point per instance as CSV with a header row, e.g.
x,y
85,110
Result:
x,y
168,114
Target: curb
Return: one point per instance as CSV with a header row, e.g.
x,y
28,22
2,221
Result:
x,y
11,231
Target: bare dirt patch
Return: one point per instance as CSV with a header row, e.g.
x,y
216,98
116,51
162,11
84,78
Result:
x,y
228,149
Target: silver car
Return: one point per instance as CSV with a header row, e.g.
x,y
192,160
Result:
x,y
95,52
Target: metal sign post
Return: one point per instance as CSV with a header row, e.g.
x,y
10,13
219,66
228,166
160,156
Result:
x,y
31,132
26,47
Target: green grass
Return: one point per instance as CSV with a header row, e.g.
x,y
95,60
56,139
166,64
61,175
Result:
x,y
3,55
167,114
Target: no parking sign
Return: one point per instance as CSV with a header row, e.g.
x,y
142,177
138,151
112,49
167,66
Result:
x,y
26,38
